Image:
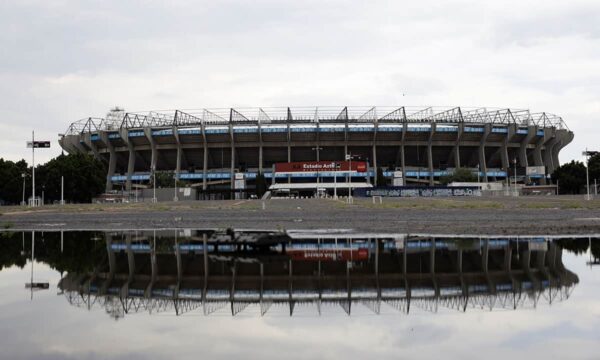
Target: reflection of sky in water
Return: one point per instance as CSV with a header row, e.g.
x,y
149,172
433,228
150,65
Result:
x,y
48,327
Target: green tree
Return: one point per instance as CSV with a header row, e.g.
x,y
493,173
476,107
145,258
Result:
x,y
380,177
261,184
594,167
570,177
459,175
11,181
84,178
164,179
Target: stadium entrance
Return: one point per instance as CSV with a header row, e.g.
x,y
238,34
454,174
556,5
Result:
x,y
319,178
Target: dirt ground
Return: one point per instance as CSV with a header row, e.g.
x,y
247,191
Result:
x,y
549,215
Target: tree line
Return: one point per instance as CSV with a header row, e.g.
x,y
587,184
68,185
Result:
x,y
84,178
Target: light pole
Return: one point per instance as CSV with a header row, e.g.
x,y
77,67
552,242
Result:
x,y
515,165
23,175
335,182
349,157
33,168
587,155
62,190
175,198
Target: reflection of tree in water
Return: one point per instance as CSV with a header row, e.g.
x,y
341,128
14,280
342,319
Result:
x,y
81,250
581,246
10,250
596,248
576,246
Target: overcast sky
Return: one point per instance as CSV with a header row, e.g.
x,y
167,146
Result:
x,y
66,60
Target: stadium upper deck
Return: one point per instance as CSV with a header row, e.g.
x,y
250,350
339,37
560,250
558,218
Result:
x,y
211,145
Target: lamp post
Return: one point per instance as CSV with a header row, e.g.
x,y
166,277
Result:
x,y
153,183
62,190
587,155
23,175
335,181
515,165
175,198
349,157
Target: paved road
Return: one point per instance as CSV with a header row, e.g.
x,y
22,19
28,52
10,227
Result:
x,y
465,216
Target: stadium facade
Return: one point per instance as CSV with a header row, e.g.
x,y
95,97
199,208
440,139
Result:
x,y
217,148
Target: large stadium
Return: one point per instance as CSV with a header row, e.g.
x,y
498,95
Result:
x,y
320,148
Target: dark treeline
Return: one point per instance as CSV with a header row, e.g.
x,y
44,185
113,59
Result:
x,y
571,176
80,254
84,177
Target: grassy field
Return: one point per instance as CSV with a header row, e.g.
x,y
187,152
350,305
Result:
x,y
523,202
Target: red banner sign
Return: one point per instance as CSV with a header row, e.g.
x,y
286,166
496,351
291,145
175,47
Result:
x,y
329,255
315,166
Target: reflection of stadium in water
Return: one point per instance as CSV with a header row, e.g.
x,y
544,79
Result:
x,y
200,271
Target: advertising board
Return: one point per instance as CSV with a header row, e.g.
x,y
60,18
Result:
x,y
316,166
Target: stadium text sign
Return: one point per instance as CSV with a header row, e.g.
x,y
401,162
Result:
x,y
314,166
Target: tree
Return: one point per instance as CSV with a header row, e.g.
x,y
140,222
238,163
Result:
x,y
570,177
261,184
380,178
594,167
164,179
459,175
84,178
11,181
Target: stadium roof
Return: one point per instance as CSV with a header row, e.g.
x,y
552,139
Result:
x,y
118,119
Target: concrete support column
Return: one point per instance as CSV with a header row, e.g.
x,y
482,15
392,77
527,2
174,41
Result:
x,y
289,157
205,159
131,161
485,257
456,150
531,130
402,150
507,258
511,130
482,162
537,153
112,160
232,171
179,153
375,163
430,154
130,257
260,158
153,157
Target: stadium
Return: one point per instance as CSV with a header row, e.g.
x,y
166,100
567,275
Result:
x,y
224,151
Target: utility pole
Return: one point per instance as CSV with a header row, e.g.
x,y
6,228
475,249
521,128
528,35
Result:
x,y
587,155
175,198
349,157
62,190
35,144
153,183
515,165
33,168
23,175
